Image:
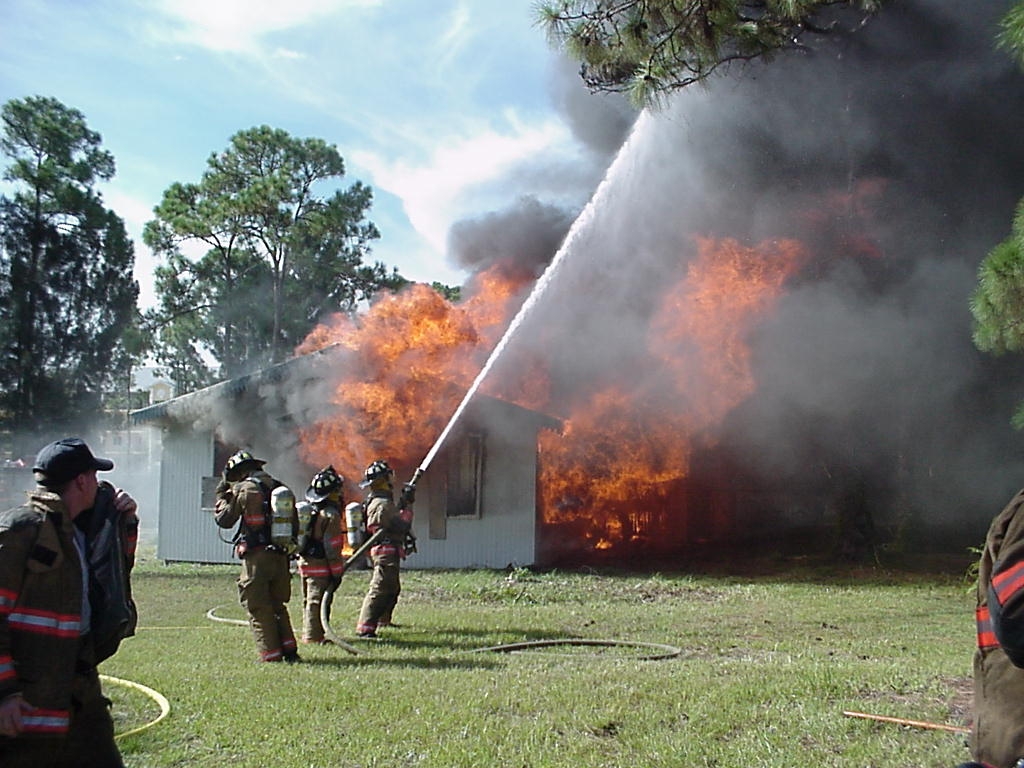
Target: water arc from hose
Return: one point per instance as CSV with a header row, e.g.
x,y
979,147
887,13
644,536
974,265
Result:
x,y
617,167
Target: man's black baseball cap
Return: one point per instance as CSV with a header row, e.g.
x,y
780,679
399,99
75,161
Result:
x,y
64,459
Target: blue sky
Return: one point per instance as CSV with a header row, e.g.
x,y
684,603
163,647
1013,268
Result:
x,y
449,109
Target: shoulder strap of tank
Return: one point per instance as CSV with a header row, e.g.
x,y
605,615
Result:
x,y
265,488
314,515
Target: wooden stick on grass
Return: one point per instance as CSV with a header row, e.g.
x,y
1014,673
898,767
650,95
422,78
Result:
x,y
912,723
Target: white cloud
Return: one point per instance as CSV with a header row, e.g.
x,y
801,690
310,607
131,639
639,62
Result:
x,y
238,25
135,214
457,32
438,191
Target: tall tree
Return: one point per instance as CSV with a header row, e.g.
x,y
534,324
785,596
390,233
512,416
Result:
x,y
647,48
66,265
997,303
278,255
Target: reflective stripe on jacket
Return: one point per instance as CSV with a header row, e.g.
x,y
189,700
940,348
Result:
x,y
327,530
998,734
40,610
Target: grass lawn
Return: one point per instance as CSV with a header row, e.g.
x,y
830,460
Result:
x,y
770,658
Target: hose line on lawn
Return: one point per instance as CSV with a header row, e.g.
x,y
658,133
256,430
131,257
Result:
x,y
910,723
660,651
325,618
159,698
214,617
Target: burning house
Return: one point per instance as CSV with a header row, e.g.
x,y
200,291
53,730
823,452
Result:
x,y
476,507
755,333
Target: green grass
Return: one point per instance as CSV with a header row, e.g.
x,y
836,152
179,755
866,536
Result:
x,y
769,662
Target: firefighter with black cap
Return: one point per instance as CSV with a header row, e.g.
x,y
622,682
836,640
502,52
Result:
x,y
997,739
65,606
321,542
382,513
265,541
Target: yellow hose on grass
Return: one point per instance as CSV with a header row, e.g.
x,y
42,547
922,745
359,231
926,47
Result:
x,y
159,698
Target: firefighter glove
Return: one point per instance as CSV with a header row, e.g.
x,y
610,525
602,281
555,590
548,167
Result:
x,y
408,494
399,526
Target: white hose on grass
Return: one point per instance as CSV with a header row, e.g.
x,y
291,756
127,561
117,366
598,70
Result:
x,y
213,617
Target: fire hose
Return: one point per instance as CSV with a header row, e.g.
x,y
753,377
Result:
x,y
159,698
658,650
325,605
328,599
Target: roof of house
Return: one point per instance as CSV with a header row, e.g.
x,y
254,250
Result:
x,y
200,407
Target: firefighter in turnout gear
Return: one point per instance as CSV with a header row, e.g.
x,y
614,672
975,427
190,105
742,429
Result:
x,y
321,540
265,541
382,513
997,738
65,605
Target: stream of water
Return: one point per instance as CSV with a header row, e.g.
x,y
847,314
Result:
x,y
618,168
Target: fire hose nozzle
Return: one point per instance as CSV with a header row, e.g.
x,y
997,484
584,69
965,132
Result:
x,y
409,489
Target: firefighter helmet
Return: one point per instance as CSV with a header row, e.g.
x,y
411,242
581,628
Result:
x,y
324,483
239,458
377,470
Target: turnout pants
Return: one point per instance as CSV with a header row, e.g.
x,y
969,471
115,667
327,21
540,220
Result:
x,y
264,588
313,590
382,593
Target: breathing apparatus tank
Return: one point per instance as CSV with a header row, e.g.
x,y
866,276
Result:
x,y
304,510
283,521
354,524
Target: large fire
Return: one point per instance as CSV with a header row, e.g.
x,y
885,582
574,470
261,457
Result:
x,y
621,459
413,356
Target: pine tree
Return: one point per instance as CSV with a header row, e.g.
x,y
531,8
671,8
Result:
x,y
67,293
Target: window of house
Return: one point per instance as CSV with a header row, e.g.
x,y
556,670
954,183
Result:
x,y
465,476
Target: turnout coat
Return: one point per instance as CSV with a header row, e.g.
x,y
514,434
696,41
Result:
x,y
41,647
998,734
40,611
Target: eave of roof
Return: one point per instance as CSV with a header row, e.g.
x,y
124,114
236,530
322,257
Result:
x,y
179,408
168,410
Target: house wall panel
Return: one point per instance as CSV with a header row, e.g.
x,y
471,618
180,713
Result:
x,y
505,532
187,531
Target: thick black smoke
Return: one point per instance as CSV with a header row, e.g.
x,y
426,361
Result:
x,y
893,154
526,235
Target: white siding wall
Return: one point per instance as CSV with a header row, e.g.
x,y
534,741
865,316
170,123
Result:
x,y
505,532
187,533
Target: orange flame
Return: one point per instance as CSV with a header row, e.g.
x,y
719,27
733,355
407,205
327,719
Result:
x,y
620,447
414,355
